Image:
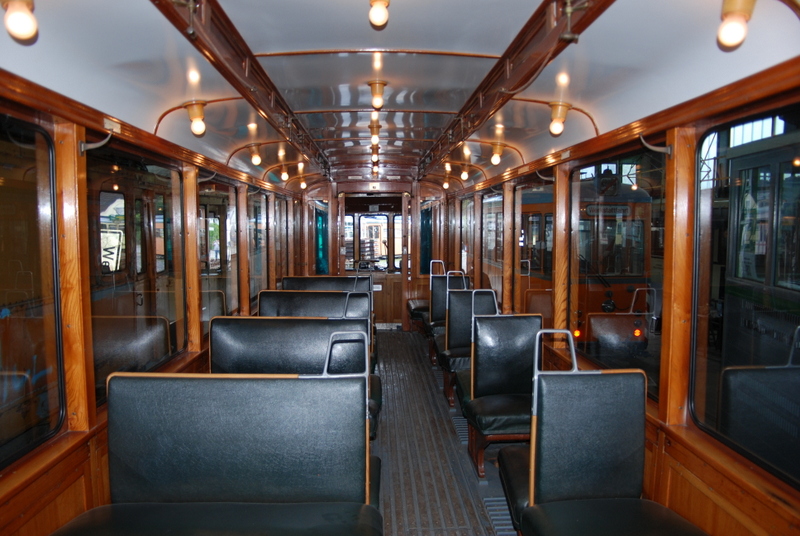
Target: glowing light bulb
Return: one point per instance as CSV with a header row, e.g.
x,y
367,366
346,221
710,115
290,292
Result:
x,y
377,101
284,176
374,139
255,159
303,185
198,126
556,127
447,167
446,185
19,19
495,159
733,30
464,175
378,13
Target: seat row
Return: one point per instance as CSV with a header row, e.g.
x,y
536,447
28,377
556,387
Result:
x,y
274,440
582,469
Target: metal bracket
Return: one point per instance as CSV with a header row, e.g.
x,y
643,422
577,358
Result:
x,y
550,179
667,150
83,146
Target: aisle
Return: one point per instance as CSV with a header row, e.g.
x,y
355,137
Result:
x,y
428,484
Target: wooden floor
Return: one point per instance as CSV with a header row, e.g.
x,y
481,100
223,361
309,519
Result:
x,y
428,484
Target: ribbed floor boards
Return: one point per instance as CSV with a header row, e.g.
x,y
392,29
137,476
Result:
x,y
428,484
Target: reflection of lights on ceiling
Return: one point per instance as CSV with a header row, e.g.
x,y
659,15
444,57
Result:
x,y
447,167
252,127
377,61
193,75
467,152
562,79
300,167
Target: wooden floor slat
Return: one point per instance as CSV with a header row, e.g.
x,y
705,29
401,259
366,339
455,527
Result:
x,y
428,484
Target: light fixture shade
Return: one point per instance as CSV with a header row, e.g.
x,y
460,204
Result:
x,y
379,12
735,14
376,88
196,115
19,19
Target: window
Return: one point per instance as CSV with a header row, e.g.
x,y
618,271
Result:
x,y
746,315
492,254
138,303
257,239
616,286
31,392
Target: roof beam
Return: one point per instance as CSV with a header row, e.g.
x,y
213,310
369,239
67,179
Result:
x,y
539,41
212,33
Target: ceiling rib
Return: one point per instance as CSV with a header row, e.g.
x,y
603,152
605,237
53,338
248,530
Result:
x,y
212,33
537,43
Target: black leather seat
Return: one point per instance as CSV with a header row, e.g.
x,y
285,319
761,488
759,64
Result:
x,y
588,432
198,454
495,391
454,346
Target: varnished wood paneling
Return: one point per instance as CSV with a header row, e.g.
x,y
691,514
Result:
x,y
192,265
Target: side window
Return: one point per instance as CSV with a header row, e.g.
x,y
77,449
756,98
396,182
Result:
x,y
137,300
746,315
31,374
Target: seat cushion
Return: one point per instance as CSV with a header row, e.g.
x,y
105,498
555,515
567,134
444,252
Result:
x,y
226,519
513,463
454,359
500,414
605,517
417,307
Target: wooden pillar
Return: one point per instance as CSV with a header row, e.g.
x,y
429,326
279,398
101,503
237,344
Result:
x,y
678,261
243,250
194,324
73,259
508,247
561,247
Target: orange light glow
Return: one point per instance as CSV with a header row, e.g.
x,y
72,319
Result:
x,y
637,332
576,333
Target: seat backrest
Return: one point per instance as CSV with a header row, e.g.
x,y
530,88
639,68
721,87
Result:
x,y
589,439
439,285
502,354
320,303
268,345
328,282
615,333
229,438
134,343
460,305
759,410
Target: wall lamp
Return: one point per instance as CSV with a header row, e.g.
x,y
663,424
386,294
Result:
x,y
379,12
19,19
735,14
196,111
376,87
255,158
558,114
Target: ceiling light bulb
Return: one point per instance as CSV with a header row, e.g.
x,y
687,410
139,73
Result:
x,y
374,139
558,114
284,176
303,184
379,12
464,175
495,159
376,87
375,115
733,30
196,115
374,155
375,168
497,152
446,184
19,19
735,14
255,158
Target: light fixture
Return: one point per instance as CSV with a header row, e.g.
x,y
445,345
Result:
x,y
19,19
558,114
464,173
375,168
379,12
374,129
446,184
375,154
497,153
735,14
303,184
255,158
284,175
376,87
196,115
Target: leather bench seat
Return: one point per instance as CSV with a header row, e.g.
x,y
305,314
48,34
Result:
x,y
500,414
605,517
227,519
513,462
417,307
